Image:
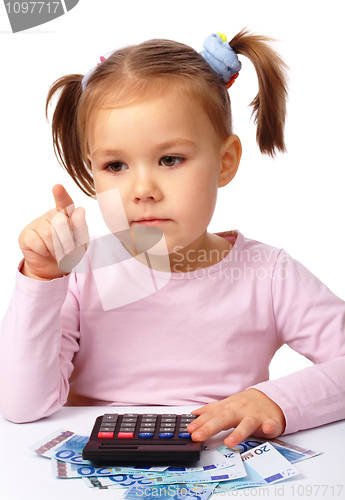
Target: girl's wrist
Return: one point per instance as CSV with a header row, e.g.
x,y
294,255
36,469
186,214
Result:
x,y
26,272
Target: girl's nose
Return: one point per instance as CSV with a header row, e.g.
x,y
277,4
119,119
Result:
x,y
146,188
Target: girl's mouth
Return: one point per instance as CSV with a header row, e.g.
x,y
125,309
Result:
x,y
150,222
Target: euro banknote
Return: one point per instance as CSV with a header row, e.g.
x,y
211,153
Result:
x,y
68,470
264,465
291,452
48,445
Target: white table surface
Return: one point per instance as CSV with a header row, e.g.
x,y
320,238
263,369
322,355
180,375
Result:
x,y
25,475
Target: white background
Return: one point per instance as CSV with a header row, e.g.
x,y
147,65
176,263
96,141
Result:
x,y
295,201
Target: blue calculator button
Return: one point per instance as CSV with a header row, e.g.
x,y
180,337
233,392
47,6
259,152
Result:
x,y
166,435
145,434
184,435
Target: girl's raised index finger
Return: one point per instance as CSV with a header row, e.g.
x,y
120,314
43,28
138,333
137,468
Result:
x,y
63,201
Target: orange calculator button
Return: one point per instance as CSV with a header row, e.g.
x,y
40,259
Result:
x,y
125,434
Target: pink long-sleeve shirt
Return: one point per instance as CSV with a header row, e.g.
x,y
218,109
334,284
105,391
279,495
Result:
x,y
119,333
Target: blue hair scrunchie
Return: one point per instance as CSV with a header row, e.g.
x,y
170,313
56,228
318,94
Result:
x,y
221,57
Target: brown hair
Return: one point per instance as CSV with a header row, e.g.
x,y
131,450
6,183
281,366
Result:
x,y
141,71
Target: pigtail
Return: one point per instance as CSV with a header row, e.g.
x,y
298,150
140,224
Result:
x,y
66,142
269,105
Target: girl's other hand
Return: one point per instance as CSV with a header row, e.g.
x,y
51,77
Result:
x,y
251,412
55,242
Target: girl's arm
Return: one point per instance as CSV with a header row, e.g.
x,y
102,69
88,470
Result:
x,y
311,320
36,348
35,356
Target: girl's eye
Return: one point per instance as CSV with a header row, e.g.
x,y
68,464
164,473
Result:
x,y
116,167
170,161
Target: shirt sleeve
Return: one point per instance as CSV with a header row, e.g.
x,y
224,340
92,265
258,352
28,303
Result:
x,y
310,319
36,351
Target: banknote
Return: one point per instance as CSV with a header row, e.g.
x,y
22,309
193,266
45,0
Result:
x,y
68,470
226,474
48,445
252,480
269,463
264,465
291,452
114,482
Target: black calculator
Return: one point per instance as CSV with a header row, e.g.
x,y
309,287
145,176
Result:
x,y
149,437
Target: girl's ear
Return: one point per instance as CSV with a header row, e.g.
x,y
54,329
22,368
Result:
x,y
231,156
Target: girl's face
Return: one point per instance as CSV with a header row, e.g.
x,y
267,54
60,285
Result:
x,y
165,159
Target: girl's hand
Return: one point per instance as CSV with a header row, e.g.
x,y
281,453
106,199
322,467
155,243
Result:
x,y
46,241
251,412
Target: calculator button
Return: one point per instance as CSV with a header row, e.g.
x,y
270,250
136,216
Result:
x,y
166,435
150,415
166,419
107,428
106,435
125,435
129,419
169,415
168,424
148,420
165,430
145,434
184,435
125,415
126,429
146,429
110,417
128,424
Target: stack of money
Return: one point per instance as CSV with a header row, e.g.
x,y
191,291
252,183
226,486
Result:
x,y
253,463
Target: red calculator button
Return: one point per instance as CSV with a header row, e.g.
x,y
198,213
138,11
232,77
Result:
x,y
125,434
102,435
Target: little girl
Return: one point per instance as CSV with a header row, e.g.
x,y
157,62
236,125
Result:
x,y
160,311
